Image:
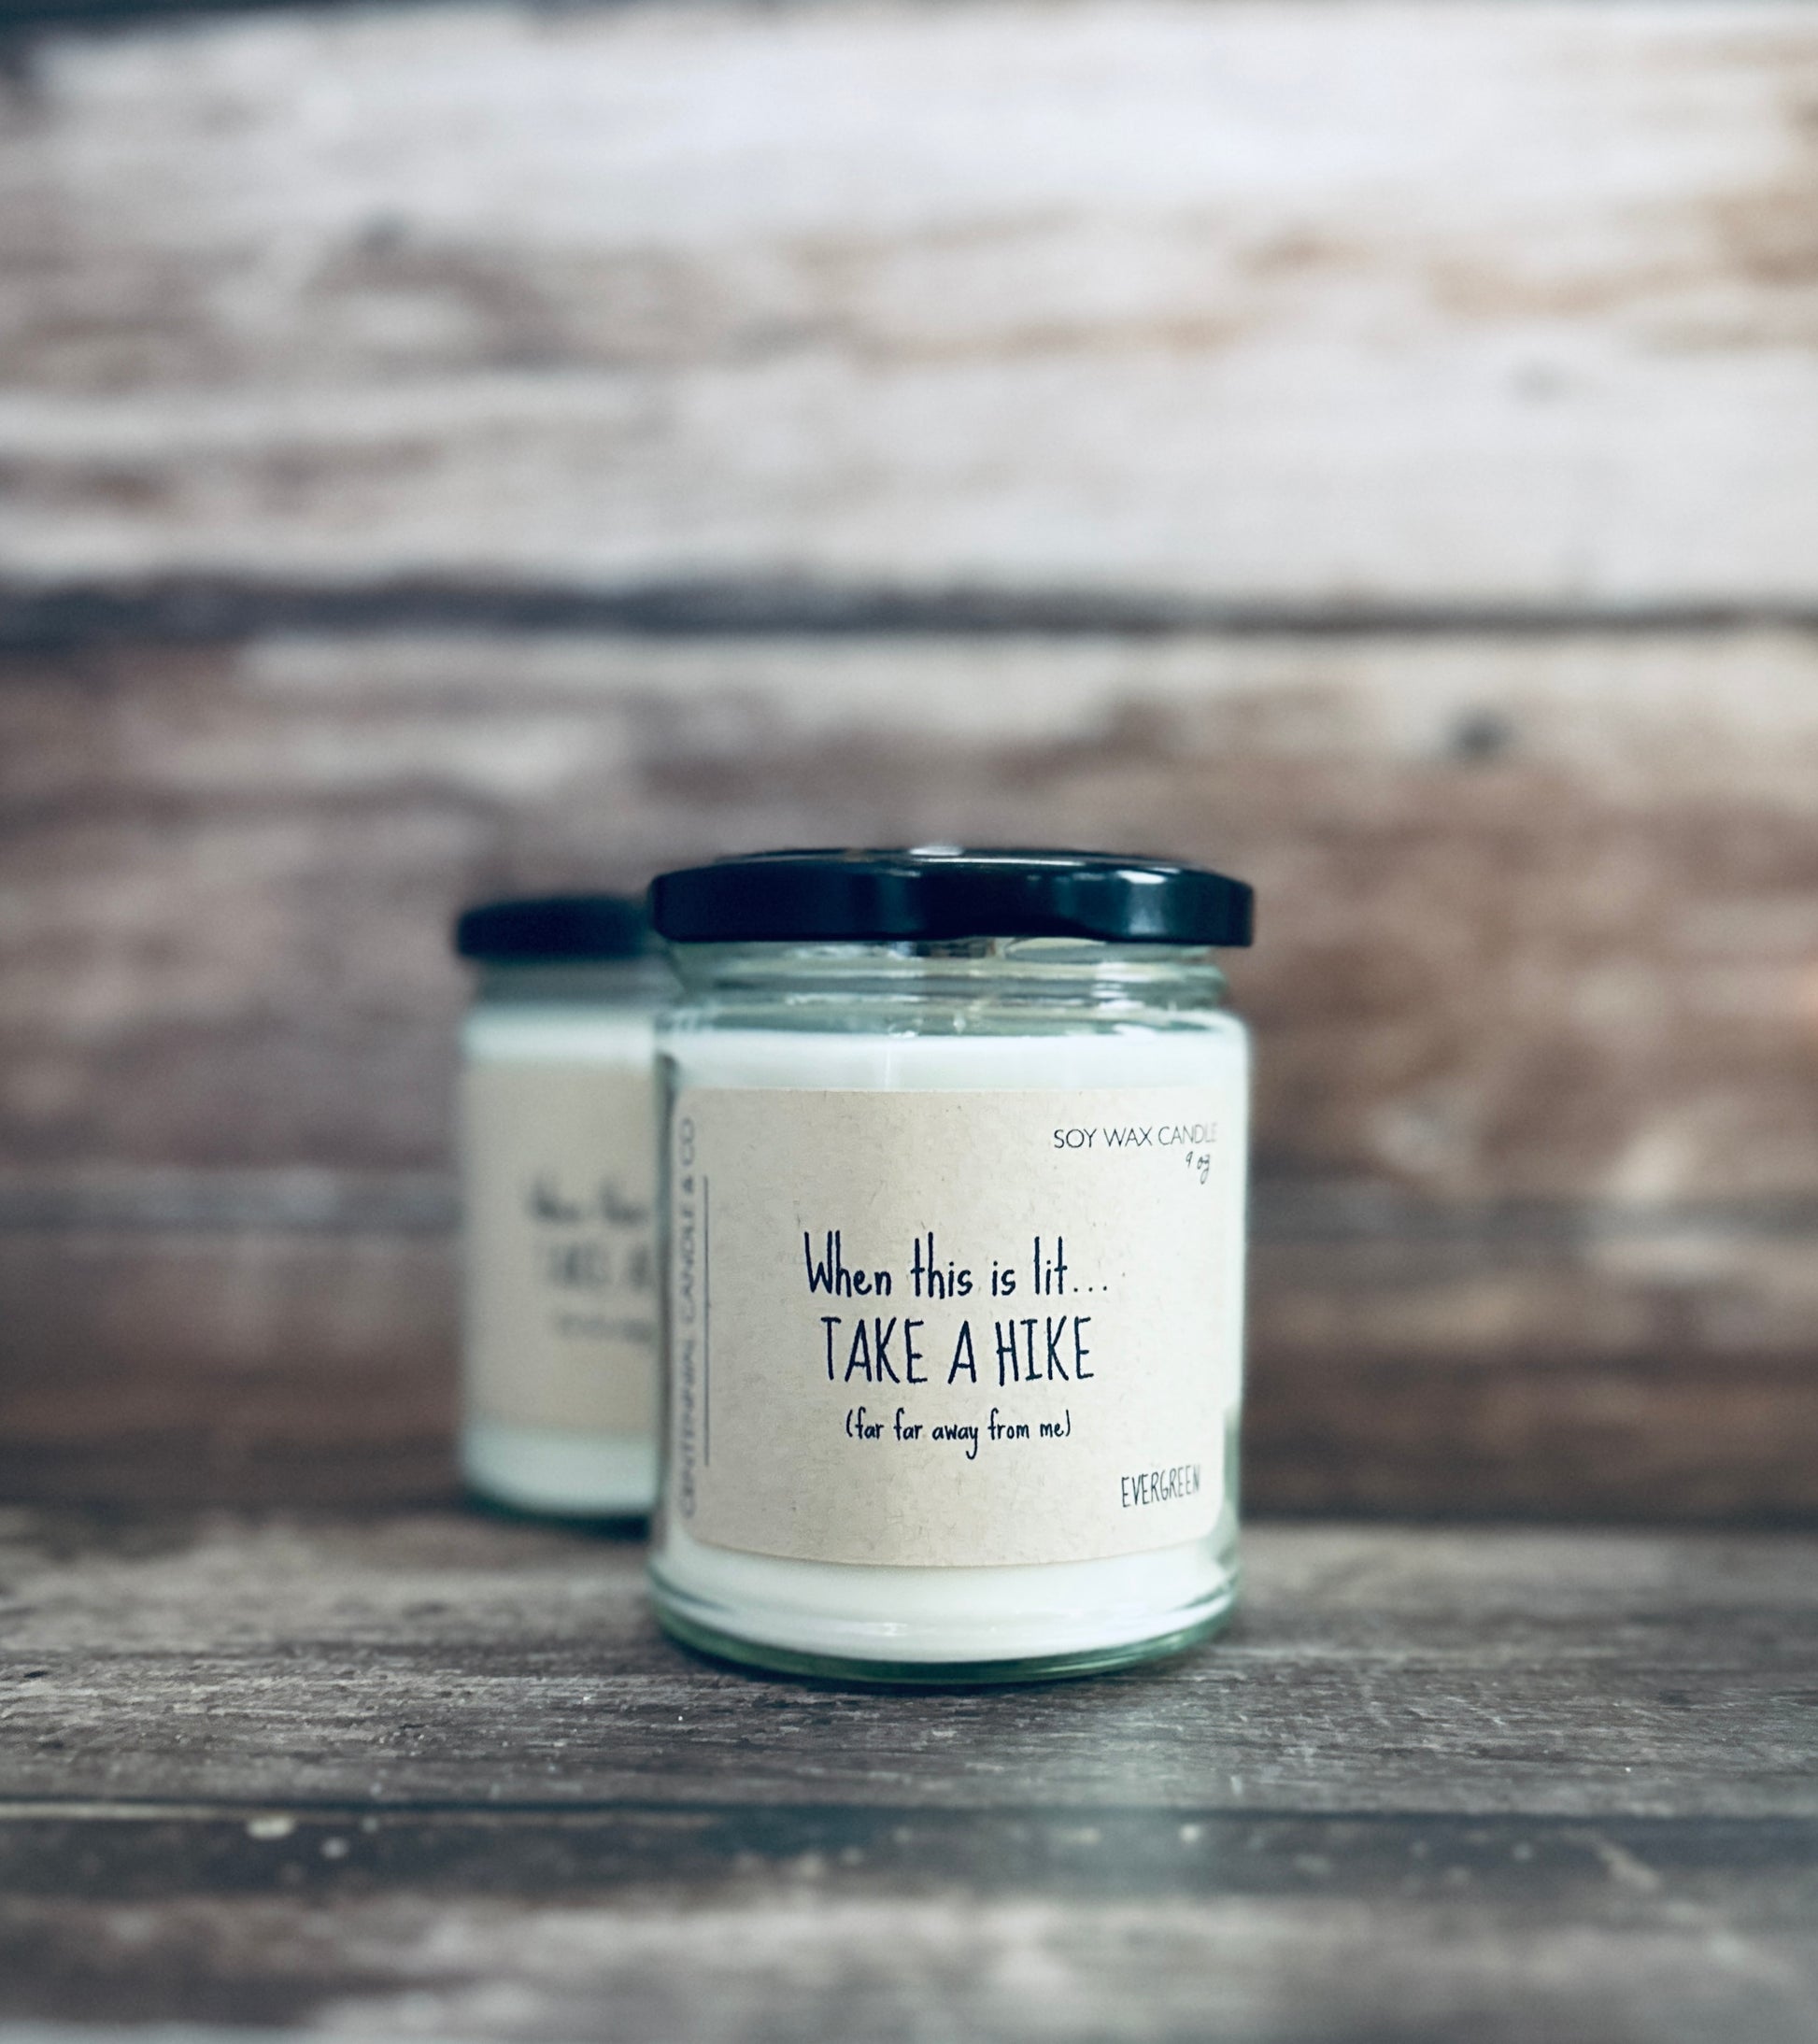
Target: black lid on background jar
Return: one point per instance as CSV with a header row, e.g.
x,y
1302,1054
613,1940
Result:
x,y
936,892
554,928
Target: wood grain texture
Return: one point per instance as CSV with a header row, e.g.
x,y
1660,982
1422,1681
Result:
x,y
447,1659
1329,304
241,1364
434,1774
1543,1364
1539,915
1034,1928
455,450
1535,1001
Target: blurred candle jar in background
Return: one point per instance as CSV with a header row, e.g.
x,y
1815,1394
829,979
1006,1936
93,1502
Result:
x,y
558,1143
954,1168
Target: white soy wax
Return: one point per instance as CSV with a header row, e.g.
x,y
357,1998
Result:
x,y
866,1471
559,1180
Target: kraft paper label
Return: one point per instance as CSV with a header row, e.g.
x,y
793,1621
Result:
x,y
559,1169
953,1328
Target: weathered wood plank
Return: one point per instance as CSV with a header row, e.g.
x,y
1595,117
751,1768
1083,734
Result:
x,y
440,1659
235,1364
1539,915
827,1968
662,1924
436,1775
1415,1359
1325,304
1539,1109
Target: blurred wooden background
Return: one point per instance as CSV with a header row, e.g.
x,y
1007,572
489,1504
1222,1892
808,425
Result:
x,y
1373,448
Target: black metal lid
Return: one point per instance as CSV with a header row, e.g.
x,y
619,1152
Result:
x,y
551,928
935,892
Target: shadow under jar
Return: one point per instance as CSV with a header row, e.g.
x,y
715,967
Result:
x,y
955,1160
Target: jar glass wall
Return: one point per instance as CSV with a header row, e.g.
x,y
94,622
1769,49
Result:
x,y
559,1132
955,1299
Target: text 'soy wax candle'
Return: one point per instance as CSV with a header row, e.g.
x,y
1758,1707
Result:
x,y
955,1166
559,1170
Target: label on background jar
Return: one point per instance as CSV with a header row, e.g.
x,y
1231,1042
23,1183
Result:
x,y
560,1267
952,1329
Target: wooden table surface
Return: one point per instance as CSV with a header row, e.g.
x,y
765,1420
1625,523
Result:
x,y
436,1774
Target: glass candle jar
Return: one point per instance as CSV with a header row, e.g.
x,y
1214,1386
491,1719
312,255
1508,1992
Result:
x,y
954,1198
558,1168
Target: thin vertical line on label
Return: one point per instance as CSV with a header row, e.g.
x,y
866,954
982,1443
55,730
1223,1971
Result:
x,y
706,1326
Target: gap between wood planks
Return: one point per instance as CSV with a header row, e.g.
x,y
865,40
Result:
x,y
210,610
322,1201
121,1849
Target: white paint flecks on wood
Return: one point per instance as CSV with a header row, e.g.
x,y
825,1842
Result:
x,y
1333,304
1327,1940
